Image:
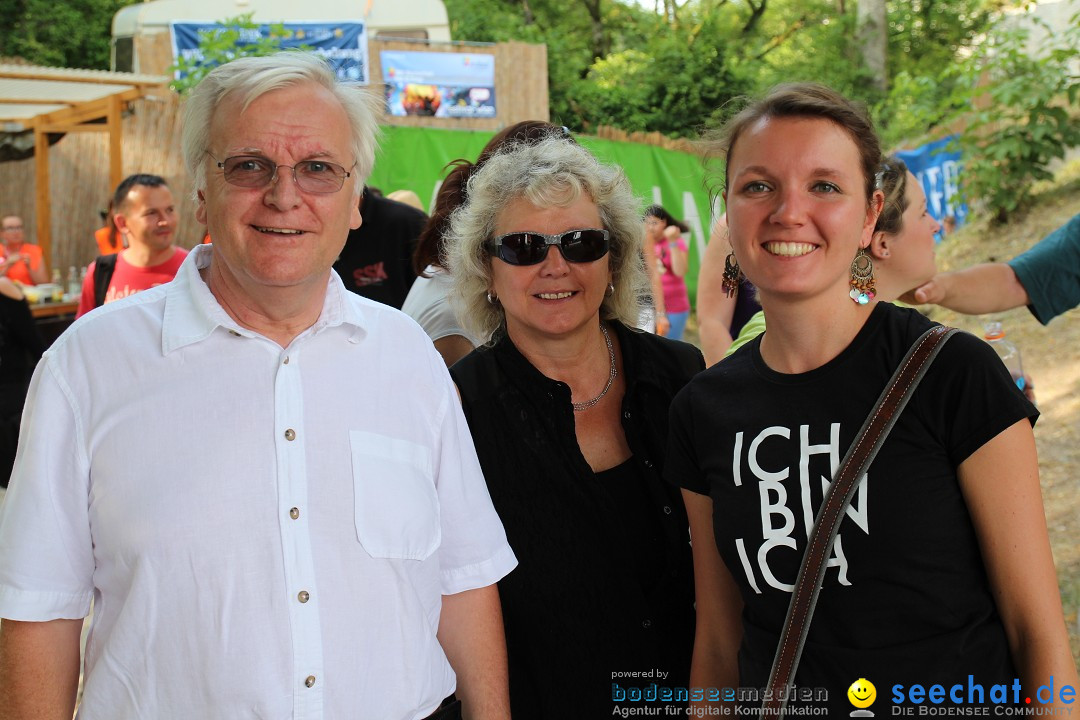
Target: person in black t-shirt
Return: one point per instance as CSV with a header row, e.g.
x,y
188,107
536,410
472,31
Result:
x,y
20,348
376,261
941,570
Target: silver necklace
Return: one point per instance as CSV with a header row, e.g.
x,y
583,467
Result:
x,y
581,406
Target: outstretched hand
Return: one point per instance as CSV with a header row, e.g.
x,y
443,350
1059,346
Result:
x,y
930,292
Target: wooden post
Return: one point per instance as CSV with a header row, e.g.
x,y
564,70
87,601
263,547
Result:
x,y
115,122
42,206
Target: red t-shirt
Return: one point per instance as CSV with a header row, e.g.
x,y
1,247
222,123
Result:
x,y
128,279
19,271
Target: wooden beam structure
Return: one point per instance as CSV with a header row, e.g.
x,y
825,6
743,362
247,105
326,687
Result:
x,y
42,207
103,112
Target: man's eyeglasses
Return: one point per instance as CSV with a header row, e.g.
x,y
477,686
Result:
x,y
530,248
8,228
313,176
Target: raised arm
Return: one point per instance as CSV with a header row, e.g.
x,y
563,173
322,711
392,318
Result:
x,y
39,273
1000,482
471,635
39,669
979,289
679,258
718,634
714,308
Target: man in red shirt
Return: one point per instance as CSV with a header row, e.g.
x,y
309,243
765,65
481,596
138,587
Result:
x,y
145,215
19,260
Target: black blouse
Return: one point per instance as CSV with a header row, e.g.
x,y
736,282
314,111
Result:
x,y
604,585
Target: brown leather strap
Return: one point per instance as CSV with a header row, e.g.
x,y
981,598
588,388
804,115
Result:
x,y
858,459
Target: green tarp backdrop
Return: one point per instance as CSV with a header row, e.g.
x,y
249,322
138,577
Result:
x,y
414,158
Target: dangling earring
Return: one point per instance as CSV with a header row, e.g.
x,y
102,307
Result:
x,y
732,276
492,299
862,278
610,289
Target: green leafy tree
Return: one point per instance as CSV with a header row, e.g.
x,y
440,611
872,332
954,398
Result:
x,y
1018,109
670,68
673,84
74,33
237,37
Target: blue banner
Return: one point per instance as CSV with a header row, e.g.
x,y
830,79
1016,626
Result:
x,y
344,44
938,168
437,84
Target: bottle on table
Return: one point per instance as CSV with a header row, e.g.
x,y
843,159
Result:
x,y
57,286
74,287
1006,350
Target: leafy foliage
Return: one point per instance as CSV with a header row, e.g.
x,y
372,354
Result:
x,y
74,33
238,37
671,69
1017,109
672,85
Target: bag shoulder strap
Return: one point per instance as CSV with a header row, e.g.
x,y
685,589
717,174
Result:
x,y
858,458
104,267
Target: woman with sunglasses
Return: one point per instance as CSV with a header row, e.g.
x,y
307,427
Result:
x,y
941,573
568,411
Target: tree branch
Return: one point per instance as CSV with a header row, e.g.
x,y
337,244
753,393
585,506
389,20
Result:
x,y
593,8
756,11
782,37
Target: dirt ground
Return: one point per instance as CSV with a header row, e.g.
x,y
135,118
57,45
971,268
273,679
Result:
x,y
1051,357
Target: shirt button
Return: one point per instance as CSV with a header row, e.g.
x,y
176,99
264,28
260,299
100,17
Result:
x,y
290,434
310,681
286,360
667,509
626,414
303,596
294,513
646,624
648,463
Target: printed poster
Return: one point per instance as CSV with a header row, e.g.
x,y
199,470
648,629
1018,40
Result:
x,y
344,44
435,84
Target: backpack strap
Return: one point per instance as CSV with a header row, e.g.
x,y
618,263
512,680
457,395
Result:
x,y
104,267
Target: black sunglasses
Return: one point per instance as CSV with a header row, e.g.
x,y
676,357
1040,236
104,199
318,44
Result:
x,y
530,248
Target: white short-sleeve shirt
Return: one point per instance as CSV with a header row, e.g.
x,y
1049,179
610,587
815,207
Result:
x,y
428,303
266,532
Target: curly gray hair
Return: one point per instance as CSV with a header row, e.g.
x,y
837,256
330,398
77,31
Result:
x,y
553,172
252,77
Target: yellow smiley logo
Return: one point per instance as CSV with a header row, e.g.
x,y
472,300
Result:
x,y
862,693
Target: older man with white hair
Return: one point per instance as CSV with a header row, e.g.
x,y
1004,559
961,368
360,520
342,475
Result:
x,y
279,513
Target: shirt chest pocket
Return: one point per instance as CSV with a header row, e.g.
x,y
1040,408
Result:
x,y
396,505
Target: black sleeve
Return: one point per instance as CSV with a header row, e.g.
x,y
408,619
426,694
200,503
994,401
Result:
x,y
968,397
21,329
681,466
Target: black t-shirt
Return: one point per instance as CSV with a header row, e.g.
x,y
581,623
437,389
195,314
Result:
x,y
905,597
376,261
20,343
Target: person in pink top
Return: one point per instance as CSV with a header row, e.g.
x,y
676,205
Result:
x,y
671,262
145,215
